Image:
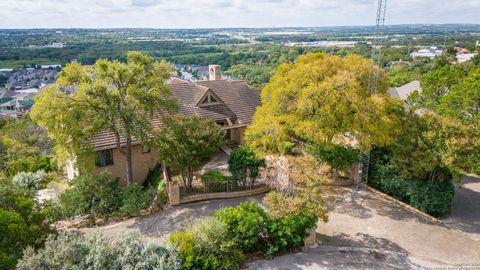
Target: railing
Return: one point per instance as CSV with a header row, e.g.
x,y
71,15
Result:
x,y
216,186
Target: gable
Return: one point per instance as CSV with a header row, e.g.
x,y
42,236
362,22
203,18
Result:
x,y
208,99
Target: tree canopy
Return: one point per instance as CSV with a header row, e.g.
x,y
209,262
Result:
x,y
186,143
324,99
119,97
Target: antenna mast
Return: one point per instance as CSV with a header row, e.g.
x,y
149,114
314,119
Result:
x,y
374,76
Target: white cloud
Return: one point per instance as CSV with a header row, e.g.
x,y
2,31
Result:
x,y
227,13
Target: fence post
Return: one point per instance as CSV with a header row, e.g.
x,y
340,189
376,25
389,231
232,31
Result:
x,y
174,193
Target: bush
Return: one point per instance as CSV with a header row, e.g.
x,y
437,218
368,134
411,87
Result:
x,y
205,245
213,176
340,158
22,222
211,239
134,199
161,198
154,177
214,181
288,232
98,195
245,224
31,164
75,251
14,237
28,179
243,164
433,198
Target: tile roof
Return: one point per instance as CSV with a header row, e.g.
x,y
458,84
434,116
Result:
x,y
402,92
239,103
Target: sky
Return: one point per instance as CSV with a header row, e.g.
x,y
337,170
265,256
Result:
x,y
227,13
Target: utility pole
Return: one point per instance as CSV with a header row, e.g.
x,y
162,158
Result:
x,y
373,78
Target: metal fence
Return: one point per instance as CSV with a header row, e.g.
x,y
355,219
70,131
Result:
x,y
215,186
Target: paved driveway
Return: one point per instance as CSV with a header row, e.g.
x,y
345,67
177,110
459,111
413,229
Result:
x,y
465,214
367,232
157,226
364,232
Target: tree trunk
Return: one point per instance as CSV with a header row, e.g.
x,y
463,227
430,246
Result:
x,y
189,177
128,156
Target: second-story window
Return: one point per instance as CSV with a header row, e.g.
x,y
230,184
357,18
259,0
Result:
x,y
104,158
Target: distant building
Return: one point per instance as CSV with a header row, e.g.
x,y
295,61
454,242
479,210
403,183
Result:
x,y
462,58
51,66
402,92
324,44
430,52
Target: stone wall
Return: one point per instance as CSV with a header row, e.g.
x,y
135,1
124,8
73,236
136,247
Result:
x,y
284,171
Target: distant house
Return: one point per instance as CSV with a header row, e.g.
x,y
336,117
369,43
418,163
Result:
x,y
402,92
462,58
230,103
430,52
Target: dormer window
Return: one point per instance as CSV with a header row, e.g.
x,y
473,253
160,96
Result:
x,y
209,99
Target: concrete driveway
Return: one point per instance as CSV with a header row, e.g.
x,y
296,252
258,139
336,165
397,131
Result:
x,y
367,232
364,232
158,225
465,215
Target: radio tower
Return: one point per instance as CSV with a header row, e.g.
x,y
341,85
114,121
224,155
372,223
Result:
x,y
373,78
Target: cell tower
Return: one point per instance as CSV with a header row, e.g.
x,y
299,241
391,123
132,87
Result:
x,y
374,76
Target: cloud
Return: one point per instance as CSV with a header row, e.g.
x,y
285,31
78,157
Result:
x,y
227,13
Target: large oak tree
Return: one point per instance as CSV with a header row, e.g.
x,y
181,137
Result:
x,y
324,99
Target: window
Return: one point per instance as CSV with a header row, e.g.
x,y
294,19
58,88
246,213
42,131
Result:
x,y
145,149
104,158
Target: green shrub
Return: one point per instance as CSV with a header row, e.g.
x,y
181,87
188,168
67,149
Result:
x,y
340,158
243,164
22,222
154,177
205,245
214,181
288,232
31,164
75,251
161,198
286,148
245,223
211,239
134,199
99,195
213,176
14,237
434,198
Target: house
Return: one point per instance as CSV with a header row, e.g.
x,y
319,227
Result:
x,y
230,103
430,52
402,92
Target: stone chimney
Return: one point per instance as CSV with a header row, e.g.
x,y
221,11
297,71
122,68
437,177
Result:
x,y
214,72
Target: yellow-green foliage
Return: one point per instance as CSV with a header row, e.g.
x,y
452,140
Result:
x,y
324,99
119,97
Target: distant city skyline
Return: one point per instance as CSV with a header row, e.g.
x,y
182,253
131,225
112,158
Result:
x,y
225,13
